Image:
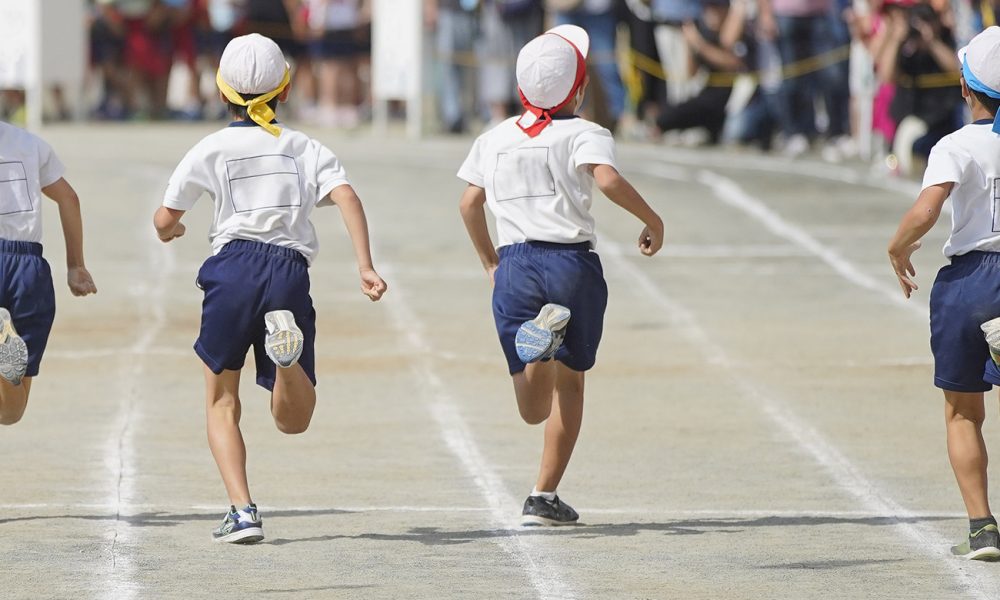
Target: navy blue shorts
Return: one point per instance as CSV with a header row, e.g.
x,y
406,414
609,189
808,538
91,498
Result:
x,y
534,274
26,291
966,294
242,282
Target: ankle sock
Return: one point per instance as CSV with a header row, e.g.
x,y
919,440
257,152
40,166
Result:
x,y
550,496
977,524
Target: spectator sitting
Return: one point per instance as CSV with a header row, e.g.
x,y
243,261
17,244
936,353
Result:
x,y
716,44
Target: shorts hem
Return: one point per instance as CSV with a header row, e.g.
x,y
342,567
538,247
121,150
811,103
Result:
x,y
951,386
215,366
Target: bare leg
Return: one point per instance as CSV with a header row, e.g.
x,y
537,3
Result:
x,y
964,416
533,388
562,428
292,400
13,400
222,410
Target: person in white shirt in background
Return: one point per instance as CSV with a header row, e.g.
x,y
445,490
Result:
x,y
965,166
536,174
29,169
265,180
336,48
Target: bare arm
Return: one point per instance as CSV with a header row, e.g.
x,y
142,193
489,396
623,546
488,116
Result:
x,y
353,213
79,279
719,57
621,192
915,224
472,206
734,24
168,223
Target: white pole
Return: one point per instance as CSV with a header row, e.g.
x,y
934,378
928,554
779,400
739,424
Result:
x,y
34,94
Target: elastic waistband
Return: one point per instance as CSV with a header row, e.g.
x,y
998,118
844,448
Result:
x,y
976,257
255,246
15,247
542,247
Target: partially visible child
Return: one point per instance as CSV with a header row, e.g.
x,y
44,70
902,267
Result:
x,y
964,166
536,173
265,180
28,169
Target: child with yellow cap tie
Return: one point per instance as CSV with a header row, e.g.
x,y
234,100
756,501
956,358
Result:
x,y
265,179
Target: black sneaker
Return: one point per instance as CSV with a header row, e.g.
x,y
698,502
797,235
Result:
x,y
539,511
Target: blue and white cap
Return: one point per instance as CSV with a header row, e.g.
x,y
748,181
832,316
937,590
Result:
x,y
981,65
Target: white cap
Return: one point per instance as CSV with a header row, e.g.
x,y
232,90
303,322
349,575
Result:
x,y
546,66
252,64
983,56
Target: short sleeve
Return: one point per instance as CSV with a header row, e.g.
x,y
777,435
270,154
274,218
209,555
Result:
x,y
330,174
472,169
946,164
596,147
50,168
189,181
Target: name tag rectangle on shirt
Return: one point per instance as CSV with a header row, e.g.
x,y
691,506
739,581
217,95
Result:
x,y
523,173
261,182
14,195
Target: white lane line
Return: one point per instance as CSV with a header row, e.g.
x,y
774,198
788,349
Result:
x,y
731,194
543,573
209,509
809,440
120,451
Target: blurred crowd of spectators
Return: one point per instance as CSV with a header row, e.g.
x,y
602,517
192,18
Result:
x,y
787,75
135,44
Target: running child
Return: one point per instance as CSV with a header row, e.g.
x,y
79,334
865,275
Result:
x,y
536,173
964,166
265,180
28,169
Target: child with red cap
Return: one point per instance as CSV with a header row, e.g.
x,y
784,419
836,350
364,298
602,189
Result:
x,y
965,166
536,174
265,180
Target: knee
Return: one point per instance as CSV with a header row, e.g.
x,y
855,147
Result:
x,y
295,427
225,403
535,410
11,417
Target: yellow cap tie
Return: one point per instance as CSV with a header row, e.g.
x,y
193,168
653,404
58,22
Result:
x,y
257,108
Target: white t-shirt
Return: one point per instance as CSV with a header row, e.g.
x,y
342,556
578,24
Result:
x,y
539,189
969,158
27,164
264,187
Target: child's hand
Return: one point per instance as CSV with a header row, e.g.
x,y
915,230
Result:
x,y
179,230
904,268
650,241
80,282
372,285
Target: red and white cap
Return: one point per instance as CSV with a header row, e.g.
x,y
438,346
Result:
x,y
550,70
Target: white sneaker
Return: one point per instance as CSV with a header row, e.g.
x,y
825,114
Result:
x,y
284,340
796,146
13,350
540,337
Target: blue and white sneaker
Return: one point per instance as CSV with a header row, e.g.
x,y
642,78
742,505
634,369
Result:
x,y
284,340
540,337
242,526
13,350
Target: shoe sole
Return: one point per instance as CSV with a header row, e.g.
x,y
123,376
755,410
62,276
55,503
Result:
x,y
536,521
534,338
988,554
13,350
284,346
250,535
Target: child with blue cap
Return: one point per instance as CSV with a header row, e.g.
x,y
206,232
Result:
x,y
965,166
